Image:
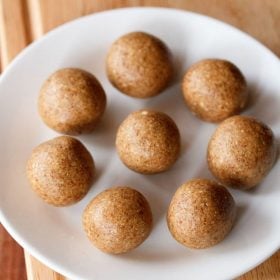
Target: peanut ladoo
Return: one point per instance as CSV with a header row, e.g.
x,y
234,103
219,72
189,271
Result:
x,y
61,171
201,213
139,65
118,220
148,142
214,89
71,101
241,152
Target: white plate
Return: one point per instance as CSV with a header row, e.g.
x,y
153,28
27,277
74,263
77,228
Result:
x,y
55,235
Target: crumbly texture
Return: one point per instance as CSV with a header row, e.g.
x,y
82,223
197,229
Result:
x,y
214,90
71,101
241,152
60,171
118,220
148,141
201,213
139,65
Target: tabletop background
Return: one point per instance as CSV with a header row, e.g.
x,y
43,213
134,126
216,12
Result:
x,y
23,21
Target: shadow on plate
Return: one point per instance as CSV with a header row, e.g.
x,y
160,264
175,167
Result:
x,y
203,172
262,106
236,241
158,256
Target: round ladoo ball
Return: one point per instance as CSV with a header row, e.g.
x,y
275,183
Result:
x,y
61,171
241,152
148,142
71,101
117,220
201,213
214,90
139,65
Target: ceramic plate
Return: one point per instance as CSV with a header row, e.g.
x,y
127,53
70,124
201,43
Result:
x,y
55,235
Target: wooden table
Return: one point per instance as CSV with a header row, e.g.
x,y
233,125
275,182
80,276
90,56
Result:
x,y
22,21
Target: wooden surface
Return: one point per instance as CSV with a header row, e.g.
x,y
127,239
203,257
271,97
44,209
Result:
x,y
22,21
11,258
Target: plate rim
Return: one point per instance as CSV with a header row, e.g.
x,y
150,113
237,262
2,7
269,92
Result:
x,y
4,220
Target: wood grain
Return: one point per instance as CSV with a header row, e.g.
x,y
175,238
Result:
x,y
18,25
37,271
269,270
11,258
259,18
13,32
12,13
